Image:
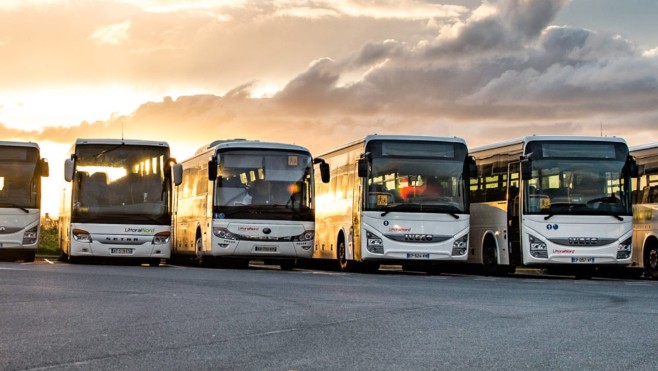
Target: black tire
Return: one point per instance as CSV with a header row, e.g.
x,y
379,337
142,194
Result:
x,y
28,256
287,265
343,264
490,260
198,248
154,262
651,262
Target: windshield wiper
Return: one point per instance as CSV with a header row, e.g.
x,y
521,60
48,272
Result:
x,y
389,208
9,204
423,208
108,150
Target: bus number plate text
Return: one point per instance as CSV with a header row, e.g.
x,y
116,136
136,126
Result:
x,y
587,260
415,255
265,248
121,251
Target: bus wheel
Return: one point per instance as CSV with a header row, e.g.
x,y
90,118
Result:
x,y
651,262
198,246
489,260
287,265
28,256
342,257
154,262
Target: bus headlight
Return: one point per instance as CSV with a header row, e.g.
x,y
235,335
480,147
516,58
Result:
x,y
374,244
30,236
538,248
460,246
624,249
161,238
306,236
223,233
81,235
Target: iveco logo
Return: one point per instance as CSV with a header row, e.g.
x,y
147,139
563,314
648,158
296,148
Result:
x,y
583,241
418,237
267,230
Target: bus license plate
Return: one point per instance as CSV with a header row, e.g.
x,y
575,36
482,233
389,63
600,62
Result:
x,y
265,248
587,260
121,251
415,255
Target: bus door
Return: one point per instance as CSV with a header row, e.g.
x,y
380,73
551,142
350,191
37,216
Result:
x,y
514,202
357,198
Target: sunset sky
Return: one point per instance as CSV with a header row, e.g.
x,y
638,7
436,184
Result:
x,y
320,73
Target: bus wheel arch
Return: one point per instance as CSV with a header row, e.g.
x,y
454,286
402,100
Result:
x,y
651,257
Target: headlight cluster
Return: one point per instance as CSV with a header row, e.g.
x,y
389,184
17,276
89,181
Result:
x,y
460,246
374,244
30,236
538,248
81,235
161,238
306,236
223,233
624,249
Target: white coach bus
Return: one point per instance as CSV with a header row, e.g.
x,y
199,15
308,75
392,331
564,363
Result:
x,y
552,201
645,210
116,201
21,169
395,199
243,200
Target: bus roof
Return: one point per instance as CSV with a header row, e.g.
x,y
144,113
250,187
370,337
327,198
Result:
x,y
372,137
6,143
644,147
219,145
129,142
530,138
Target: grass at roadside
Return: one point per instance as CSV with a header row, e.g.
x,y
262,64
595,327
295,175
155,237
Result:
x,y
49,245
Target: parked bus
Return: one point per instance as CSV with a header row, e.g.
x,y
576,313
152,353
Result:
x,y
645,210
21,169
241,200
394,199
117,201
552,201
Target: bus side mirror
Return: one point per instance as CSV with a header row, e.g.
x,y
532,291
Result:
x,y
212,170
44,168
472,167
178,174
69,167
362,167
526,170
324,172
633,168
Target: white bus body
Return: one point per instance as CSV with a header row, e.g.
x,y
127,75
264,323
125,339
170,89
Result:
x,y
116,201
379,208
21,169
552,201
645,210
241,200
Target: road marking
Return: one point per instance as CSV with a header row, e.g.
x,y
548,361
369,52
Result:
x,y
639,283
11,269
48,261
486,279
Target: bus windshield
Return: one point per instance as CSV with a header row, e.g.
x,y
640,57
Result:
x,y
264,180
19,178
115,181
585,179
417,177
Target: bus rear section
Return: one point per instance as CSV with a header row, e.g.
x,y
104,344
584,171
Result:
x,y
252,201
117,201
21,169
